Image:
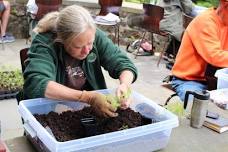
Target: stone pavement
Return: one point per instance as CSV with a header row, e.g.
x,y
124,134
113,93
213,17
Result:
x,y
11,125
183,138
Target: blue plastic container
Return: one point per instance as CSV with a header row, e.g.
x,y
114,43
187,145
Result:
x,y
140,139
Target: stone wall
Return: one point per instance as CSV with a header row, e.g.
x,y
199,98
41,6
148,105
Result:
x,y
18,24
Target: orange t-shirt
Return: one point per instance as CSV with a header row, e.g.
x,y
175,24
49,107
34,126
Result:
x,y
204,41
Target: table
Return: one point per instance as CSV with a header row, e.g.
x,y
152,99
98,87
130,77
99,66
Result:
x,y
19,144
183,138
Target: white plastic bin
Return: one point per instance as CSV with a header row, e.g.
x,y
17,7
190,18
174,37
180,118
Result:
x,y
220,97
145,138
222,76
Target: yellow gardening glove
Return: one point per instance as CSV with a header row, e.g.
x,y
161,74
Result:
x,y
99,102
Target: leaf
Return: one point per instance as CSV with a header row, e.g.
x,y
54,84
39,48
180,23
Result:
x,y
11,78
123,127
176,107
113,100
126,95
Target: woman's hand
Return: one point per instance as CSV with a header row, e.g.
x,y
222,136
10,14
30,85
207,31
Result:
x,y
99,103
123,93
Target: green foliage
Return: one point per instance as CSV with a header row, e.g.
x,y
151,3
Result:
x,y
126,95
206,3
176,107
123,127
11,78
214,3
115,101
14,11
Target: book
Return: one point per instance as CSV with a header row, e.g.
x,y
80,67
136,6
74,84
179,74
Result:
x,y
219,125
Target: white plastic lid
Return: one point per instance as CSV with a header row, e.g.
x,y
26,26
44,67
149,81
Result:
x,y
222,73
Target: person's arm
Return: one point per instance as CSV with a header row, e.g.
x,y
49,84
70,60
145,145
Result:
x,y
119,66
126,77
40,80
40,67
97,100
123,90
58,91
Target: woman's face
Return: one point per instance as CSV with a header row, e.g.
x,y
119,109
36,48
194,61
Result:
x,y
81,45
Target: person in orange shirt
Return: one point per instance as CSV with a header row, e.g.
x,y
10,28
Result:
x,y
205,42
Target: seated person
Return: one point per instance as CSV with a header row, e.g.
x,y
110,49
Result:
x,y
66,57
204,42
173,16
173,20
5,14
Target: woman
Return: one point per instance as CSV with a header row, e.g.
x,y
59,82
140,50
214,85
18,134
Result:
x,y
65,60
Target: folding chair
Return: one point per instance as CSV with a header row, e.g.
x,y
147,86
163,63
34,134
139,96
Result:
x,y
44,7
153,14
110,6
23,57
210,77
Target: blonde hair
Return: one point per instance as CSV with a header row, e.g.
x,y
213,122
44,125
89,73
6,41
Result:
x,y
68,23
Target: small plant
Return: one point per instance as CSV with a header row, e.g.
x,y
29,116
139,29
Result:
x,y
115,101
11,78
14,11
123,127
176,107
126,95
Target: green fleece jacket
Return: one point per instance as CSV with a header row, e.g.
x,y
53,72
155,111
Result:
x,y
46,63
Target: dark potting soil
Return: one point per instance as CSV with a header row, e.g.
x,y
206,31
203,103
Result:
x,y
67,125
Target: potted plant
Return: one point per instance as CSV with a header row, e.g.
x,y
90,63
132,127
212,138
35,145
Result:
x,y
11,81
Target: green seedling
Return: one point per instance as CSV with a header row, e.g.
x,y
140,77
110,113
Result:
x,y
126,95
115,101
123,127
11,78
176,107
